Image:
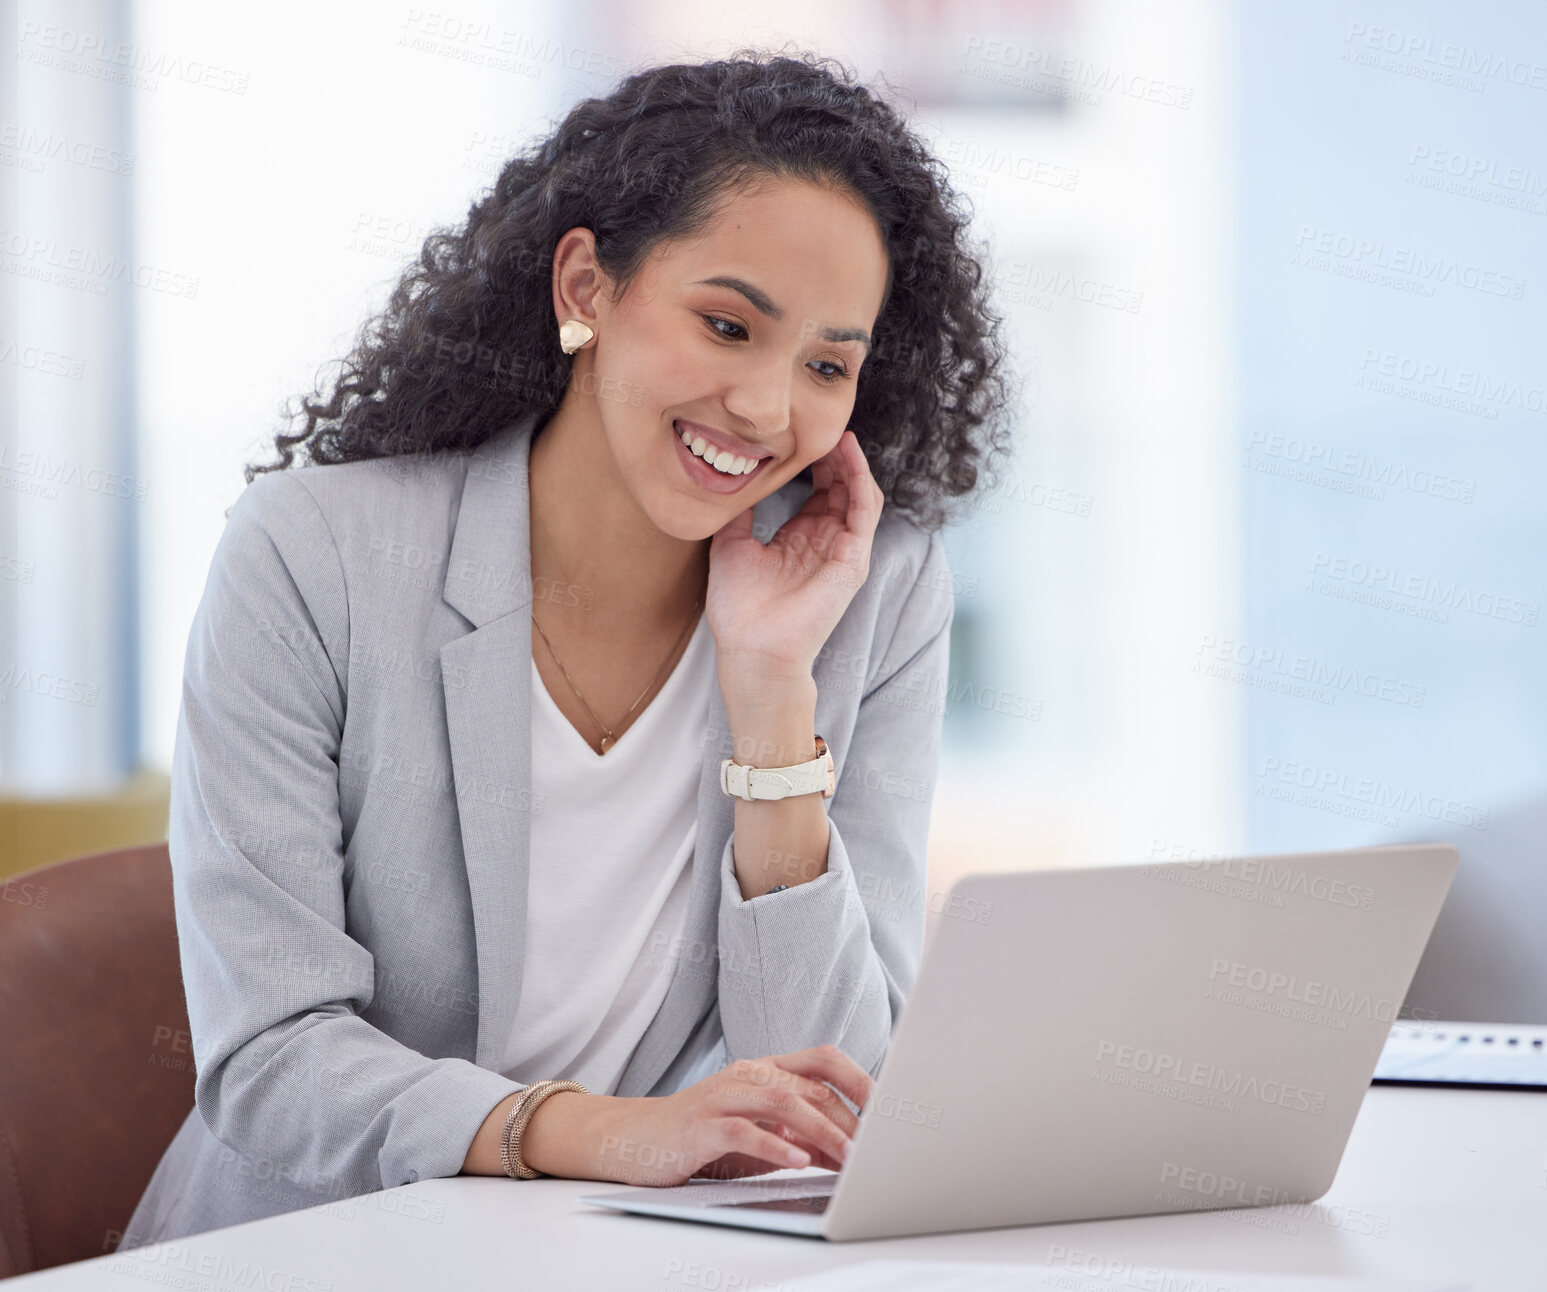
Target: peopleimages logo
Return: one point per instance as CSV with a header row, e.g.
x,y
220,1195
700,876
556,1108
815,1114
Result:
x,y
1232,660
1357,466
1077,1266
1222,1187
1368,257
1465,382
1274,876
1170,1072
1438,595
1189,1188
1369,791
1483,170
1078,74
1288,994
1418,50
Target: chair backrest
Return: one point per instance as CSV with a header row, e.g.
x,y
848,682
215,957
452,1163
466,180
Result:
x,y
96,1061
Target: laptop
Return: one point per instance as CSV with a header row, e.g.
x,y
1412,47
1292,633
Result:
x,y
1117,1041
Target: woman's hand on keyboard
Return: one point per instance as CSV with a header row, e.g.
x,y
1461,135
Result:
x,y
744,1120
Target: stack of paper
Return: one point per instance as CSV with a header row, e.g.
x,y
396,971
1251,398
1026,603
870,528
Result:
x,y
1471,1054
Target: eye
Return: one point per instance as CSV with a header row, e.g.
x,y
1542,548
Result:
x,y
712,321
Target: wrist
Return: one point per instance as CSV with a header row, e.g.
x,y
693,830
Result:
x,y
773,727
758,683
754,666
566,1136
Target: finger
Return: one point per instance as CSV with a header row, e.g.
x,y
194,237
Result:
x,y
788,1107
822,470
738,526
829,1063
816,504
844,482
819,1156
818,1094
865,513
838,500
734,1166
847,561
739,1135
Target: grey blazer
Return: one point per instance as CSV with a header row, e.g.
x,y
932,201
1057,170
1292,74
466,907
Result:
x,y
351,790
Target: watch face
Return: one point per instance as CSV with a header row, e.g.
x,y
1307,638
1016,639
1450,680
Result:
x,y
821,752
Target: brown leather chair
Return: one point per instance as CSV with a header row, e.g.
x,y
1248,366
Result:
x,y
96,1061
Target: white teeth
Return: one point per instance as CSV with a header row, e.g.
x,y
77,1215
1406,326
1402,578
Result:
x,y
722,460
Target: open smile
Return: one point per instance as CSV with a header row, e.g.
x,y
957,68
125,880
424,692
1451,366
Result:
x,y
713,478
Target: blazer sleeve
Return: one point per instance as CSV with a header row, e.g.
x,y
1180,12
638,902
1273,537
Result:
x,y
287,1070
833,959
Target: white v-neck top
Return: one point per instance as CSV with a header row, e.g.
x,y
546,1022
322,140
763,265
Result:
x,y
611,861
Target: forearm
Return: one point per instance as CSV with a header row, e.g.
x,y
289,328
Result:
x,y
808,967
777,841
566,1136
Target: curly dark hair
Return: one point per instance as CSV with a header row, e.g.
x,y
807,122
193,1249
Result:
x,y
468,341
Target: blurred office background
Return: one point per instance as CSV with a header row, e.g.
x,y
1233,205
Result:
x,y
1265,575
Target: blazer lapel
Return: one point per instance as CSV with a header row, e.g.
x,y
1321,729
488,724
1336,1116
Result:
x,y
488,581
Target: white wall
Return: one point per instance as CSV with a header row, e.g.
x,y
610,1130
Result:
x,y
296,202
71,493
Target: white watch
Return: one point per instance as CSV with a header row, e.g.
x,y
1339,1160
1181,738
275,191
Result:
x,y
743,782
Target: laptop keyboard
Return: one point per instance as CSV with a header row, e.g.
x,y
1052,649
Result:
x,y
816,1204
812,1198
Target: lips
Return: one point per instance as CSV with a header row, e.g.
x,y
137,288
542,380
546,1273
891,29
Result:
x,y
701,473
721,441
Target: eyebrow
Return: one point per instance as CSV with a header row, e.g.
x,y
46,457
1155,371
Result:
x,y
763,304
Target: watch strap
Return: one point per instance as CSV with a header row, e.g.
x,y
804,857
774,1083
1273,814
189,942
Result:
x,y
814,777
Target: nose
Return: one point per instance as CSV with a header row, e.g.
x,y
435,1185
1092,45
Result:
x,y
759,394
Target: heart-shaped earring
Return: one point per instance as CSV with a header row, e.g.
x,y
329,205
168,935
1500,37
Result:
x,y
573,335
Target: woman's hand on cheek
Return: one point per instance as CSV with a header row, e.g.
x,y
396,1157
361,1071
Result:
x,y
776,605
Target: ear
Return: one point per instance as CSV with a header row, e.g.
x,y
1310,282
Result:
x,y
577,278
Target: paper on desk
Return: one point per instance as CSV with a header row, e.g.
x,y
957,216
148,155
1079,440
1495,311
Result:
x,y
976,1276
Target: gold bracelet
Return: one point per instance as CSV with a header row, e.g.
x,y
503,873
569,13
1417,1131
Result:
x,y
507,1163
516,1122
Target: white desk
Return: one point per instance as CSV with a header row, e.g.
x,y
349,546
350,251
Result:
x,y
1435,1184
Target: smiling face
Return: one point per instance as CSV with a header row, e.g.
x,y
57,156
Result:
x,y
749,338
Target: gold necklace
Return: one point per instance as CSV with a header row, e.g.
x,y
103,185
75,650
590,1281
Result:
x,y
609,739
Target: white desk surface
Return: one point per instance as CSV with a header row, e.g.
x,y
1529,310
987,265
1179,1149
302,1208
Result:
x,y
1435,1184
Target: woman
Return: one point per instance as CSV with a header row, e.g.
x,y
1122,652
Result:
x,y
426,858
